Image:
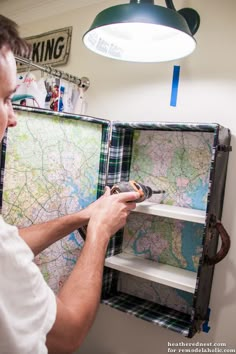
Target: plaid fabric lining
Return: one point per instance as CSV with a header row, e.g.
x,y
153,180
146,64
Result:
x,y
110,280
151,312
167,126
120,156
102,177
118,169
44,112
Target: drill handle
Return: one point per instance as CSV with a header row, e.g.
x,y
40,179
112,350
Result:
x,y
130,186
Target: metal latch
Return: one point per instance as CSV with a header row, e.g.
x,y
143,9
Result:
x,y
224,148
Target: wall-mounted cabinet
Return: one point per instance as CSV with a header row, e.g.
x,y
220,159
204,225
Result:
x,y
160,266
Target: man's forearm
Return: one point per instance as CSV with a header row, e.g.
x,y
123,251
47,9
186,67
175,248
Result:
x,y
80,295
38,237
78,299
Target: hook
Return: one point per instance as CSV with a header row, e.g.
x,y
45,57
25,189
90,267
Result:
x,y
84,83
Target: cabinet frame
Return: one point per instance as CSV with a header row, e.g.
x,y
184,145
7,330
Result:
x,y
114,166
118,169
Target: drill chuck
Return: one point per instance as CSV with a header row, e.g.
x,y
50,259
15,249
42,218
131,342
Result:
x,y
144,191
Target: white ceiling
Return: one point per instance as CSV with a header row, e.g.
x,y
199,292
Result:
x,y
25,11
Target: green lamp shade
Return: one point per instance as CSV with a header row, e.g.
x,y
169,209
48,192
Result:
x,y
140,33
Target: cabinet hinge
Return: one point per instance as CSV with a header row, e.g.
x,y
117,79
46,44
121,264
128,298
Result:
x,y
224,148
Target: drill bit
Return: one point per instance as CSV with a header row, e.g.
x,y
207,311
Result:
x,y
159,191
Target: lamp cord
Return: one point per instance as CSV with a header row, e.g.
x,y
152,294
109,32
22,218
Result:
x,y
170,5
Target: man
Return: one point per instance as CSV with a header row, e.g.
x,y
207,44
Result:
x,y
32,319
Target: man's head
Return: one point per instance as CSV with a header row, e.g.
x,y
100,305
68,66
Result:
x,y
10,37
10,44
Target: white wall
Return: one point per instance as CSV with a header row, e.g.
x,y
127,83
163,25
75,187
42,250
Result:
x,y
125,91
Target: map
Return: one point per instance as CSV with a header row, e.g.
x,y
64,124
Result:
x,y
174,242
51,170
164,240
161,294
175,161
179,163
52,167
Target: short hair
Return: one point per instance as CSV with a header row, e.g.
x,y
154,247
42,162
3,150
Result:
x,y
9,37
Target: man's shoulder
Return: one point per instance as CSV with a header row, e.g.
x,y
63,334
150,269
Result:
x,y
13,248
7,229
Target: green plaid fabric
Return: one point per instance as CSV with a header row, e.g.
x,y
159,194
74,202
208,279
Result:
x,y
61,114
120,155
151,312
118,169
102,177
196,127
110,281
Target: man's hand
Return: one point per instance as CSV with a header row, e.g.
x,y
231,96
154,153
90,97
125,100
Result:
x,y
79,298
109,213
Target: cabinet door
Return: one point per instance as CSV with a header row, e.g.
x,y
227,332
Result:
x,y
54,165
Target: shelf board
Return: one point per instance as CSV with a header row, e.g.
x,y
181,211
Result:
x,y
170,211
157,272
151,312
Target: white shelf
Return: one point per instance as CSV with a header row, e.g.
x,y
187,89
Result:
x,y
159,273
169,211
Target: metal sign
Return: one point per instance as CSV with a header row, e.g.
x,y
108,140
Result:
x,y
50,48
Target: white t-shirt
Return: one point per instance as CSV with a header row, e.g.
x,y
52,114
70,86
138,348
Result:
x,y
27,304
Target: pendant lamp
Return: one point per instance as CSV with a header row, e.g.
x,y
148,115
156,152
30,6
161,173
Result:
x,y
143,32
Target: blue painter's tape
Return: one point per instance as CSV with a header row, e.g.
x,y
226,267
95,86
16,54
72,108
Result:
x,y
205,327
175,86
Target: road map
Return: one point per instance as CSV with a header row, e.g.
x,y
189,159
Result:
x,y
174,242
175,161
179,163
161,294
51,170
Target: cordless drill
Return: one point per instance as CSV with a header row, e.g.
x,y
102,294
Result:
x,y
145,192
